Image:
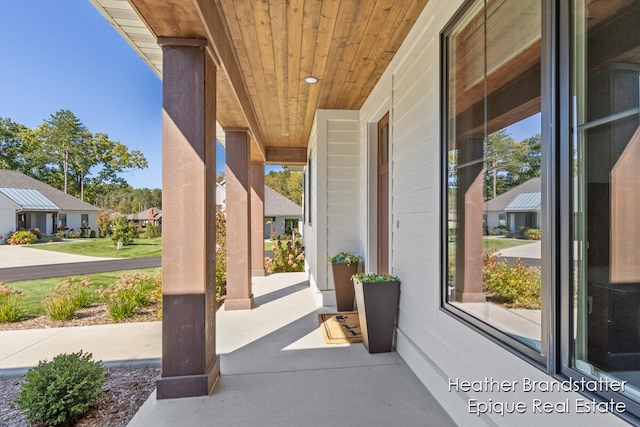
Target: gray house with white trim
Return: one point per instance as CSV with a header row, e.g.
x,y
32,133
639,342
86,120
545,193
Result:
x,y
519,207
28,203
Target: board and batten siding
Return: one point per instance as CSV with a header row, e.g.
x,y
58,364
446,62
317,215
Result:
x,y
434,344
334,151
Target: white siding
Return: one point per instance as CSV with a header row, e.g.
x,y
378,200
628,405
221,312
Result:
x,y
74,220
434,344
334,152
7,217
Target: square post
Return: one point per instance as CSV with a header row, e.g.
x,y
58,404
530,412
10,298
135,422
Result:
x,y
239,292
190,366
257,219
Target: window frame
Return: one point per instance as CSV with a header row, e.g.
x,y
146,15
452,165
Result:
x,y
544,359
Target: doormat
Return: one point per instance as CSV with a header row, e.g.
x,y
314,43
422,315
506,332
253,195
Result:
x,y
340,328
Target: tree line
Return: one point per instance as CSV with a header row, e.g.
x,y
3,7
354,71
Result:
x,y
64,154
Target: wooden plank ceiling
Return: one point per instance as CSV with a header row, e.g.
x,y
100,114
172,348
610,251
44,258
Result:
x,y
267,47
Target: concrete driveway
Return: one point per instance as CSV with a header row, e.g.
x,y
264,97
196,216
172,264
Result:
x,y
24,256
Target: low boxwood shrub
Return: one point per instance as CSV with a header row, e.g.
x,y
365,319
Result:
x,y
61,391
11,307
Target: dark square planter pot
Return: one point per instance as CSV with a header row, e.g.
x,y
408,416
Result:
x,y
343,285
377,310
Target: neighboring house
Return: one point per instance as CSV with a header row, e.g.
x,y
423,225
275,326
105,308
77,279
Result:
x,y
281,215
28,203
393,136
151,216
519,207
221,193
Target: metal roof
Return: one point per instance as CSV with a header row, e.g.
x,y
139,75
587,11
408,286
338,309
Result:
x,y
15,179
29,199
525,202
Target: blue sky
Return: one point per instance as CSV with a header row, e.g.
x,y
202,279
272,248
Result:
x,y
65,55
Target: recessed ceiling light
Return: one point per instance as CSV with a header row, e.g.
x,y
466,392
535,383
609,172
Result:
x,y
311,80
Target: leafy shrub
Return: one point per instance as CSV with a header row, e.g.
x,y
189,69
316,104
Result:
x,y
104,221
73,234
11,308
533,234
92,234
23,237
152,231
221,252
514,285
60,234
123,231
286,258
130,292
37,232
61,391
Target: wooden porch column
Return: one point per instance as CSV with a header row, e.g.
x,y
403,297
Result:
x,y
190,366
257,219
469,222
239,293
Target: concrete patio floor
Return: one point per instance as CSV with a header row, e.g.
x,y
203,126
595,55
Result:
x,y
277,371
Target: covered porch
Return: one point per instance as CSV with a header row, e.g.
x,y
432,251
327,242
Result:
x,y
277,371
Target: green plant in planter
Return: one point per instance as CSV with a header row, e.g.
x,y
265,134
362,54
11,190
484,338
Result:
x,y
374,277
345,258
343,266
377,296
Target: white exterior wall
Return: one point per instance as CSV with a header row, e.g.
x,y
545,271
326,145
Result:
x,y
7,217
434,344
74,220
7,222
335,218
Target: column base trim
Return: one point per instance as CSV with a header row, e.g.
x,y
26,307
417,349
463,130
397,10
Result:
x,y
258,273
238,303
470,297
188,385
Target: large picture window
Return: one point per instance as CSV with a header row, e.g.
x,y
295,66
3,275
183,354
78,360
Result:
x,y
605,186
493,185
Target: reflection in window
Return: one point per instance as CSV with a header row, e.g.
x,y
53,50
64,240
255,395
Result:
x,y
493,150
606,190
62,221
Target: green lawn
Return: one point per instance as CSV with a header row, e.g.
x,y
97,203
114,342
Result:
x,y
141,248
502,242
269,244
35,290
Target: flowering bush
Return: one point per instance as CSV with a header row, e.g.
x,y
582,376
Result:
x,y
514,285
11,308
221,252
374,277
130,292
287,258
533,234
67,297
22,237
